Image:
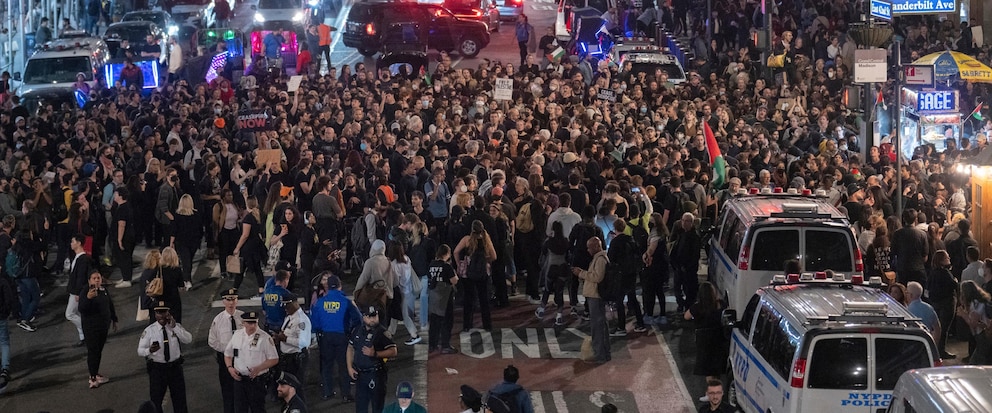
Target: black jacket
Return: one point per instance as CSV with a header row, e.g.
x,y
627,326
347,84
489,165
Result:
x,y
80,274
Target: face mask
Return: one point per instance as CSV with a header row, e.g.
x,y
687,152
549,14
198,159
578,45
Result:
x,y
364,147
553,88
463,188
426,102
644,109
843,147
175,179
458,111
981,271
479,103
217,111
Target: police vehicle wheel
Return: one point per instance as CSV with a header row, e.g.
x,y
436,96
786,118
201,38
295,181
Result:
x,y
367,52
469,47
499,23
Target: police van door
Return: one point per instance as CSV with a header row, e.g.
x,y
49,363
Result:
x,y
857,372
722,259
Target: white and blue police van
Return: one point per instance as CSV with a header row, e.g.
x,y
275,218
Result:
x,y
813,342
757,232
944,389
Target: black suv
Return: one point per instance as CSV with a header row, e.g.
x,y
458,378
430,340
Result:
x,y
375,26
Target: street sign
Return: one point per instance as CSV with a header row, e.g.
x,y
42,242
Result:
x,y
881,9
870,66
918,75
904,7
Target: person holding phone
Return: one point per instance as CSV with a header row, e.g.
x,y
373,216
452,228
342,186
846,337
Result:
x,y
96,309
160,346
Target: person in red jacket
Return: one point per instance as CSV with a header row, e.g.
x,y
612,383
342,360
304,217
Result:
x,y
303,60
131,75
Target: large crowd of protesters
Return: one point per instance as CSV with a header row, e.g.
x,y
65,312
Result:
x,y
450,186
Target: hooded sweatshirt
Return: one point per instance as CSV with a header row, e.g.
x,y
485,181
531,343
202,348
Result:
x,y
376,268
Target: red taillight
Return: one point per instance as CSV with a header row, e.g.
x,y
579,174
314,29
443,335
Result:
x,y
859,264
820,275
754,191
792,278
476,13
370,29
742,259
798,374
857,279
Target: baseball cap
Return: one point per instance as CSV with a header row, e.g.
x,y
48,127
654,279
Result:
x,y
370,311
852,188
289,298
333,281
404,390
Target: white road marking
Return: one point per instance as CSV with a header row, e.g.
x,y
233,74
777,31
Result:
x,y
559,400
686,399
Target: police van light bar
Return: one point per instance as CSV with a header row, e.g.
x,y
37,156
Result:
x,y
877,281
858,279
865,307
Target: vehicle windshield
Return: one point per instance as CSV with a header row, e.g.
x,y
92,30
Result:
x,y
190,2
144,17
278,4
57,69
134,34
673,70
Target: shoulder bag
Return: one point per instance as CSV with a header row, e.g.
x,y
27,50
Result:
x,y
155,287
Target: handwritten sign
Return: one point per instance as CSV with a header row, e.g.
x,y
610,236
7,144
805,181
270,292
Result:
x,y
504,89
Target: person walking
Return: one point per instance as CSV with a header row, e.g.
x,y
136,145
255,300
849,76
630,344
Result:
x,y
334,316
167,201
525,37
222,329
441,285
511,393
401,267
378,268
556,272
592,276
294,340
910,250
368,348
942,292
479,251
96,309
123,235
167,267
226,216
248,357
186,237
404,400
24,268
79,270
8,302
252,244
685,261
160,345
656,273
711,344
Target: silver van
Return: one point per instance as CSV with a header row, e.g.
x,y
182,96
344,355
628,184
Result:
x,y
955,389
756,233
812,344
55,65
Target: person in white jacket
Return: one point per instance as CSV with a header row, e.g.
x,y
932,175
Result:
x,y
405,279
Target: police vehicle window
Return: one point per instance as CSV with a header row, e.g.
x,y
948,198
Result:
x,y
839,363
827,250
764,329
896,356
771,248
906,407
57,69
278,4
733,248
748,316
728,226
782,348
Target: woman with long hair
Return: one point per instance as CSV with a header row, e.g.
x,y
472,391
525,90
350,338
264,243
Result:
x,y
226,215
477,248
898,291
400,264
172,281
711,344
555,272
457,227
252,244
503,271
656,266
151,268
290,227
972,308
934,234
422,251
96,310
186,237
79,221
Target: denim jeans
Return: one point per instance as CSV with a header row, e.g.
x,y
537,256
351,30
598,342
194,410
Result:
x,y
30,296
4,345
424,309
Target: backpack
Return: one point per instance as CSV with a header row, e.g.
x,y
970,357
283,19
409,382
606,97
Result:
x,y
628,257
8,298
690,192
360,238
59,210
510,399
640,236
681,198
580,235
388,195
524,220
611,288
15,265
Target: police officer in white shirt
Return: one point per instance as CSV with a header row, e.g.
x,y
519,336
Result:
x,y
248,357
159,345
294,339
222,329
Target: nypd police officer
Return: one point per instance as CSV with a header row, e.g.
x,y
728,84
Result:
x,y
249,356
334,316
369,348
223,327
290,391
294,339
159,345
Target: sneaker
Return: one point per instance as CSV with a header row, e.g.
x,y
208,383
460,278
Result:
x,y
413,341
188,285
101,379
640,329
5,375
123,284
26,325
618,333
539,313
535,301
584,316
559,321
93,383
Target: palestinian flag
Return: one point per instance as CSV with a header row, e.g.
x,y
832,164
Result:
x,y
716,158
426,76
556,55
977,113
880,100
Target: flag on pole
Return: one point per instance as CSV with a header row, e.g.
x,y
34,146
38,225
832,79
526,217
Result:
x,y
716,158
880,100
426,76
977,113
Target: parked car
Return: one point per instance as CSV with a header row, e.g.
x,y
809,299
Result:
x,y
372,25
136,33
279,10
482,10
509,9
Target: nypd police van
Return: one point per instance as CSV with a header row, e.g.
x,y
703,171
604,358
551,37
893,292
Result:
x,y
757,232
650,62
944,389
812,343
55,65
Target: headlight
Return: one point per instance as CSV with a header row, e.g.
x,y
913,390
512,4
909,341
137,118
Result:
x,y
298,17
259,18
173,30
313,3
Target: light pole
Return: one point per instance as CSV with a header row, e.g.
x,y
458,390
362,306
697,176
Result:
x,y
897,142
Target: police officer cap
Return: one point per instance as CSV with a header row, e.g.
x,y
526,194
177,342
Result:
x,y
230,293
162,306
471,397
283,265
251,316
289,298
288,379
333,281
370,311
494,404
